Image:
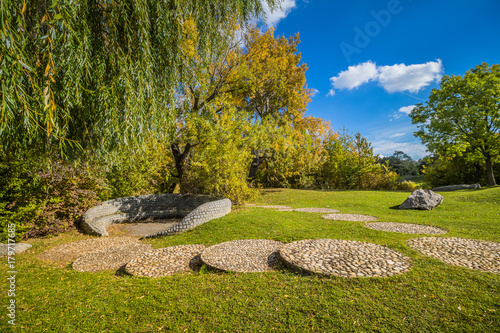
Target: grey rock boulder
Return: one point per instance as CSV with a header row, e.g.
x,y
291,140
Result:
x,y
457,187
18,248
422,199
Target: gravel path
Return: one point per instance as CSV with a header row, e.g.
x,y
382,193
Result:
x,y
343,258
66,253
350,217
471,253
248,255
166,261
141,229
405,228
110,258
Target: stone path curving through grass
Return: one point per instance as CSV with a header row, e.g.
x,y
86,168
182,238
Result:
x,y
334,257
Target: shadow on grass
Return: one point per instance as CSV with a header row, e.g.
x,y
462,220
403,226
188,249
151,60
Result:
x,y
121,272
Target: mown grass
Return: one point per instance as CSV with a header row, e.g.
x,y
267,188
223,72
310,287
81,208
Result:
x,y
432,297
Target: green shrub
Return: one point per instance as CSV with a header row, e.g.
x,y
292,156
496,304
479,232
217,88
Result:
x,y
144,172
407,185
46,201
445,170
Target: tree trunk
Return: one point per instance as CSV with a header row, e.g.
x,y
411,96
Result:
x,y
181,159
489,171
256,162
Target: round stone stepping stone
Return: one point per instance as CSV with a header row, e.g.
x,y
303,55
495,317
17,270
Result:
x,y
166,261
343,258
248,255
350,217
13,247
471,253
406,228
109,258
316,210
71,251
272,206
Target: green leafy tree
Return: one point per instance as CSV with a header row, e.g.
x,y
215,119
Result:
x,y
349,157
401,163
464,115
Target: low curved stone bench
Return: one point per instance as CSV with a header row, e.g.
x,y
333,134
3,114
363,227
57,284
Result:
x,y
193,209
457,187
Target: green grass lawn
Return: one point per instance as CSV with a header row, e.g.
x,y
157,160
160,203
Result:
x,y
431,297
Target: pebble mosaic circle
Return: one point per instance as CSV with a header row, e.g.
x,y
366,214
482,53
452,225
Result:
x,y
343,258
471,253
316,210
166,261
272,207
71,251
349,217
405,228
248,255
110,258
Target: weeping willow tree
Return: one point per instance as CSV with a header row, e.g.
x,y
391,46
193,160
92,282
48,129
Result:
x,y
100,73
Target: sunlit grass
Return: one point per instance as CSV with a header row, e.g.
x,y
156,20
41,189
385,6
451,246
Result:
x,y
431,297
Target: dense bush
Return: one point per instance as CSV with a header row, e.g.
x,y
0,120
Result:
x,y
219,165
42,201
443,170
140,173
350,164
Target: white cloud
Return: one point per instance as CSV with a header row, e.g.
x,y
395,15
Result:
x,y
397,135
355,76
388,147
402,110
387,139
406,109
395,78
314,92
331,92
273,17
410,78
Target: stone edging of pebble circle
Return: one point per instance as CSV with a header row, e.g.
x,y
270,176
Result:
x,y
349,217
343,258
405,228
166,261
110,258
248,255
470,253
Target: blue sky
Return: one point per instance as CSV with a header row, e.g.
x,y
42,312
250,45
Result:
x,y
370,61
